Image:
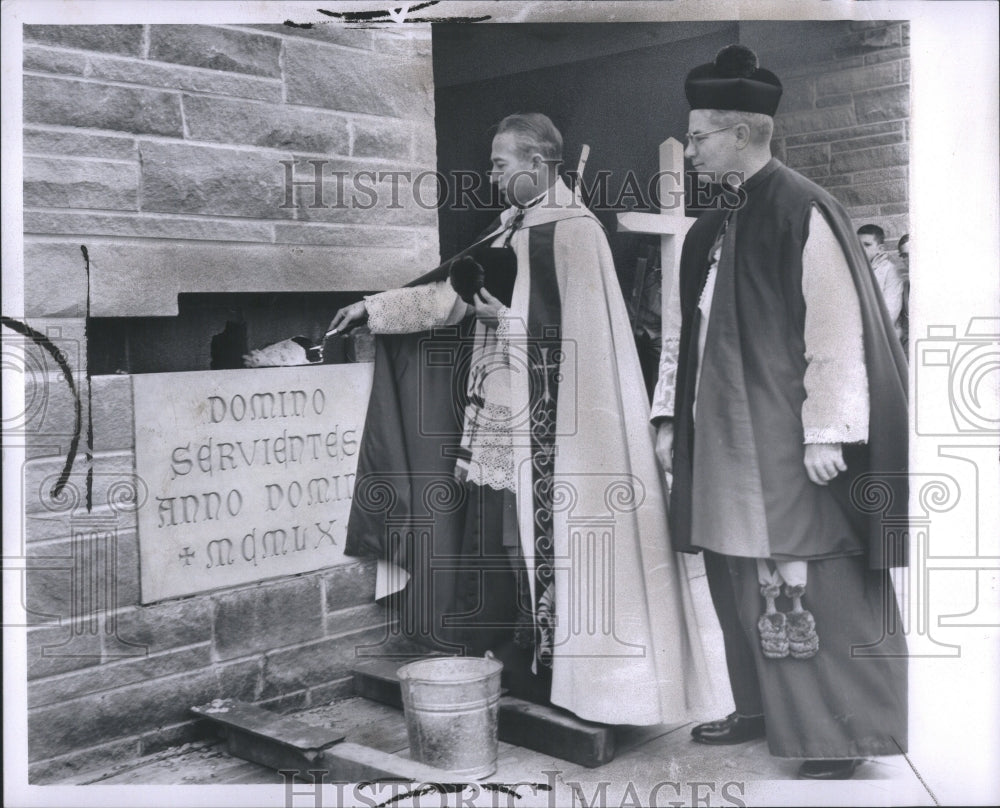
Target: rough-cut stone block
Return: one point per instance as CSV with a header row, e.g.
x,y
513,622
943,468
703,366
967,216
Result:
x,y
845,133
64,648
164,738
370,615
404,41
167,625
332,32
198,179
49,60
108,571
890,103
863,78
862,42
880,157
818,154
93,105
78,144
812,172
68,768
833,182
47,584
240,680
63,183
68,336
338,236
798,94
185,78
122,39
299,700
862,214
882,175
331,691
349,585
111,404
834,101
893,224
841,60
216,48
112,477
274,127
429,247
116,673
266,616
55,280
132,710
355,192
138,279
876,194
50,405
127,582
291,669
424,144
820,120
398,84
144,226
870,142
893,54
895,210
46,526
384,139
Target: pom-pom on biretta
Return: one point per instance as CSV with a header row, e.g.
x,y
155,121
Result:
x,y
734,81
736,62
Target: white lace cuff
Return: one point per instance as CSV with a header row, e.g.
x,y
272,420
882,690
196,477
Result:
x,y
417,308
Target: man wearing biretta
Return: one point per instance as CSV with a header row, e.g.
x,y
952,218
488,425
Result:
x,y
781,413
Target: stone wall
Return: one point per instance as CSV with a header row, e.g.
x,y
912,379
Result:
x,y
844,122
145,141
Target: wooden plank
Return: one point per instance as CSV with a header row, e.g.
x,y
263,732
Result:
x,y
377,680
262,736
363,721
544,729
555,732
352,763
287,743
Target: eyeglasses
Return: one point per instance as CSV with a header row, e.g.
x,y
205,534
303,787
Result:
x,y
698,137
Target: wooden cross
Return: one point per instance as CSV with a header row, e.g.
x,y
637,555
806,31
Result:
x,y
670,224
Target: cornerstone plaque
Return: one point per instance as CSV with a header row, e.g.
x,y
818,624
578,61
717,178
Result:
x,y
250,473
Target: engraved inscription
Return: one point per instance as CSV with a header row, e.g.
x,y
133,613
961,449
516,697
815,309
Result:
x,y
251,473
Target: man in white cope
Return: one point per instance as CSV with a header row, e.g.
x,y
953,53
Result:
x,y
781,413
508,467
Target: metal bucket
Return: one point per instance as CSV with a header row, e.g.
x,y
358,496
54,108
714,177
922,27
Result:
x,y
451,706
